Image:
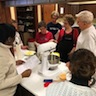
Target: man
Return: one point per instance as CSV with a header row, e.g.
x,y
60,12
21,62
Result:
x,y
87,37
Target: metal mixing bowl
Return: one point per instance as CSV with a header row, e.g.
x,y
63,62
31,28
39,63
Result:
x,y
54,58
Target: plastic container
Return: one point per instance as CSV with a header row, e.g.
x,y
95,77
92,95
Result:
x,y
31,44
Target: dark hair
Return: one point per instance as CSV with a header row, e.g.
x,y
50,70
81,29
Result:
x,y
83,63
6,31
70,19
41,24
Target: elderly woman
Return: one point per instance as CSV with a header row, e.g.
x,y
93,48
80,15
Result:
x,y
43,35
9,78
87,37
67,38
82,66
53,26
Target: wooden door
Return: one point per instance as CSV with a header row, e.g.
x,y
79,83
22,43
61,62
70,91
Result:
x,y
4,13
46,12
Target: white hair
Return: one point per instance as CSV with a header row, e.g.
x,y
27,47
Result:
x,y
85,16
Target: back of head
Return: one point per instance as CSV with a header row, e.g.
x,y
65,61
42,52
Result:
x,y
85,16
83,63
6,31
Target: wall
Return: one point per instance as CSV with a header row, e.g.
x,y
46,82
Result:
x,y
4,13
74,9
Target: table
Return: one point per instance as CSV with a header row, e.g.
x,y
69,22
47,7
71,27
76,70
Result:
x,y
35,84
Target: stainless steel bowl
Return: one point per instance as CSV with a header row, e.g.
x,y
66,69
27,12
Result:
x,y
54,58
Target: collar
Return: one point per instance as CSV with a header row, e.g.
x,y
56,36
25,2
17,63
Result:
x,y
87,29
79,81
5,46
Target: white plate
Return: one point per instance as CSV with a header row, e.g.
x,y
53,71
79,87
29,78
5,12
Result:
x,y
29,53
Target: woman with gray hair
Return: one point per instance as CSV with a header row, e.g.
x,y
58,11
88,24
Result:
x,y
53,26
87,37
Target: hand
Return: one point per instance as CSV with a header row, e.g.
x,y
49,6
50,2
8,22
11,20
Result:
x,y
26,73
24,47
53,40
68,65
19,62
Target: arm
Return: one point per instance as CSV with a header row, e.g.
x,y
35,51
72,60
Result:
x,y
60,35
90,44
75,36
36,44
51,38
18,39
8,74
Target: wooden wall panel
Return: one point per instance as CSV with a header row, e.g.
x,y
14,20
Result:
x,y
46,12
5,15
74,9
90,7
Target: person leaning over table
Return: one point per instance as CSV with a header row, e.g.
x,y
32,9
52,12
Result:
x,y
43,35
87,37
82,66
9,78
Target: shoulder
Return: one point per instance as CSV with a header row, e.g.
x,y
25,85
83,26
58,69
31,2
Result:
x,y
61,32
58,24
38,33
49,32
17,33
50,23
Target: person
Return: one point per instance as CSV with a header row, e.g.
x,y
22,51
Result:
x,y
43,35
17,41
53,26
87,37
82,66
9,78
67,38
17,36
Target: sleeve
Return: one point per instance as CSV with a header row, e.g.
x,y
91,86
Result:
x,y
60,35
51,35
94,87
48,27
90,44
50,90
7,80
18,38
75,36
59,26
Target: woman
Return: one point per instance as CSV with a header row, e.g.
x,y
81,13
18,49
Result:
x,y
54,26
67,38
82,66
17,36
9,78
44,35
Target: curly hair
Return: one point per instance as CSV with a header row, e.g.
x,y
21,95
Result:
x,y
55,13
42,24
69,18
6,31
83,63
